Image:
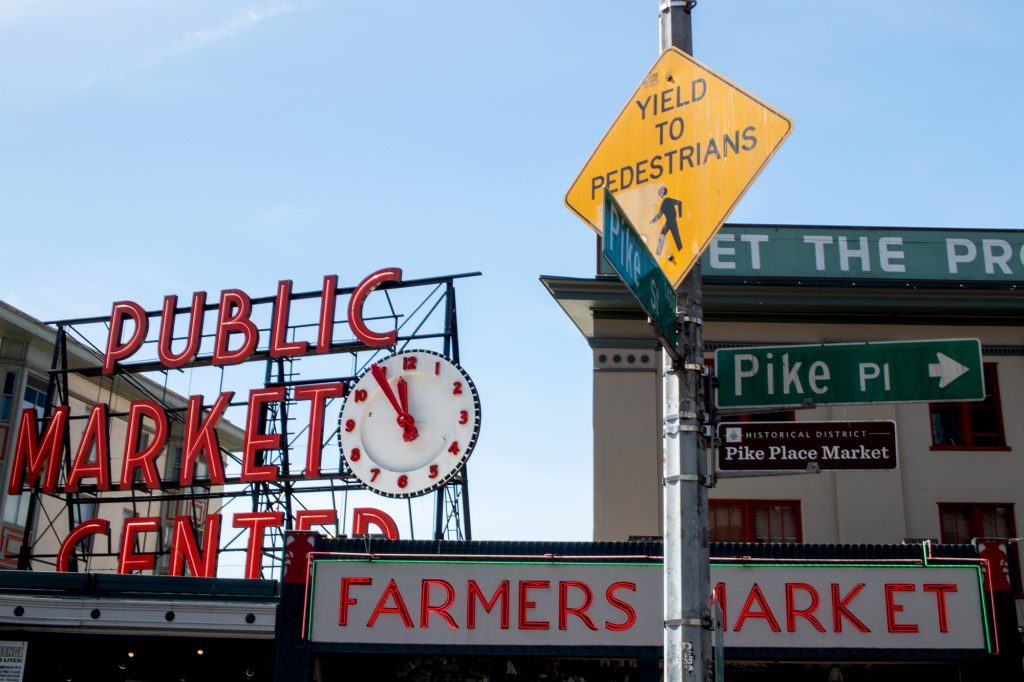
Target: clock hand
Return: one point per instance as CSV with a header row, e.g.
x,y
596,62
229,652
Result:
x,y
403,397
382,381
403,393
405,419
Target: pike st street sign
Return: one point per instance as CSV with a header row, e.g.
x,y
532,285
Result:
x,y
850,373
625,250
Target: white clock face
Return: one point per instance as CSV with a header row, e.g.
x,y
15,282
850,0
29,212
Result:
x,y
409,423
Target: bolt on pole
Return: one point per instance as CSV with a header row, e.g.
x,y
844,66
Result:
x,y
687,571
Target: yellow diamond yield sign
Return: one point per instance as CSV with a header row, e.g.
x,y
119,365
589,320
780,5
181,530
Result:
x,y
678,158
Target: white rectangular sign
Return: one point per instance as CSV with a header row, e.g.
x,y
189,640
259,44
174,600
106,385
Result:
x,y
486,603
881,607
839,605
12,660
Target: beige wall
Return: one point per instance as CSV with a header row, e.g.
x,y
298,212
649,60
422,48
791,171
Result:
x,y
846,507
32,355
630,465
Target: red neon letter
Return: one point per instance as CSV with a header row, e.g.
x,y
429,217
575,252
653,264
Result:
x,y
719,596
892,608
765,611
792,612
318,394
580,611
362,517
115,349
279,345
128,560
256,522
255,441
201,436
442,609
33,452
327,300
184,547
347,601
95,435
355,308
398,609
195,331
940,591
233,317
840,611
83,529
474,593
305,519
630,612
133,458
525,604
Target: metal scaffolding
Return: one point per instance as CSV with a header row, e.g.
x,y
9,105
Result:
x,y
424,313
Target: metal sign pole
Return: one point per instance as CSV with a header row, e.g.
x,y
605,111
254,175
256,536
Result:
x,y
687,565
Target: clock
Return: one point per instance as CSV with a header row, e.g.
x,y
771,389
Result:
x,y
409,423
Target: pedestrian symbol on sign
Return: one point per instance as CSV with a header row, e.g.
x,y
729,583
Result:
x,y
670,209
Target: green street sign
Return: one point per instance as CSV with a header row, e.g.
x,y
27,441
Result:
x,y
635,265
850,373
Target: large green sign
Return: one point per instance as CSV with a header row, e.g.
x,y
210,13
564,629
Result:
x,y
810,252
849,373
625,250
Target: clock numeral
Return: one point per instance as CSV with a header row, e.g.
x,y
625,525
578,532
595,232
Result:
x,y
374,473
403,481
409,362
454,447
360,395
458,388
433,471
350,425
463,416
437,369
354,455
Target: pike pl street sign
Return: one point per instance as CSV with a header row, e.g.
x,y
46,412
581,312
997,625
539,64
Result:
x,y
681,154
850,373
625,250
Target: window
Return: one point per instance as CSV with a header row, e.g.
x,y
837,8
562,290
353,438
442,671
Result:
x,y
173,473
35,394
970,425
7,394
754,521
85,510
16,510
138,478
961,523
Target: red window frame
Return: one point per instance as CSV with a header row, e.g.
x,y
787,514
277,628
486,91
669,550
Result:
x,y
961,420
748,511
975,512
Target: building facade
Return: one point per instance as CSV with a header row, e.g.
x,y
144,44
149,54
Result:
x,y
959,465
30,350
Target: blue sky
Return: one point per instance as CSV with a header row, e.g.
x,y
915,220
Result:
x,y
151,147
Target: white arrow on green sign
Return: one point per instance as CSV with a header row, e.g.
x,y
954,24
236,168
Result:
x,y
625,250
850,373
